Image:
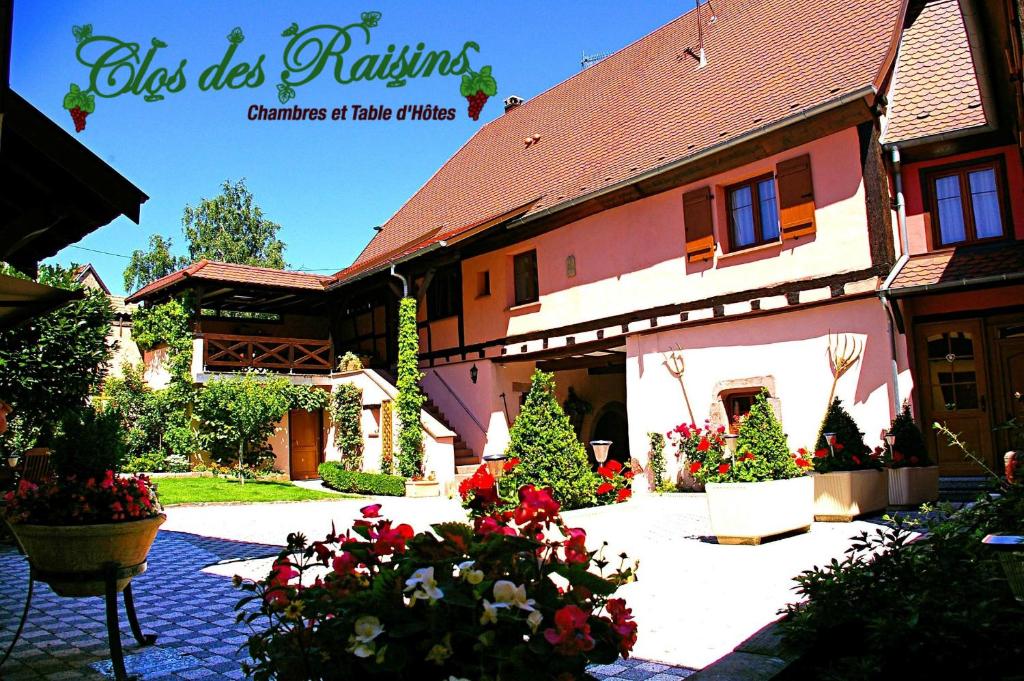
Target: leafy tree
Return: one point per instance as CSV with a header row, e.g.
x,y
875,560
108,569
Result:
x,y
848,451
549,454
231,227
410,399
51,365
146,267
238,414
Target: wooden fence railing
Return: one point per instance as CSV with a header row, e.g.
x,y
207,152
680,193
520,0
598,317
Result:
x,y
302,355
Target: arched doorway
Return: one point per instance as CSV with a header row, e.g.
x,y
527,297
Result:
x,y
611,423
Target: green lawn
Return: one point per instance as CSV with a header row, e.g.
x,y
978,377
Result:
x,y
203,490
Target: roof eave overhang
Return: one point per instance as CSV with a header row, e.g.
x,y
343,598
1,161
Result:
x,y
864,93
959,284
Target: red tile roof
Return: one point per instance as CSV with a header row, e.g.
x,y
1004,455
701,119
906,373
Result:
x,y
647,106
231,273
935,88
964,266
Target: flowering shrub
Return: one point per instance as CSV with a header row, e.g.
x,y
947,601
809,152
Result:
x,y
700,448
92,501
481,495
847,451
761,450
511,597
613,482
909,448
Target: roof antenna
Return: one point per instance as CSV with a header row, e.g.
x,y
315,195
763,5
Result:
x,y
590,59
699,55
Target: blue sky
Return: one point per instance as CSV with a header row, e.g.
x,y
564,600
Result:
x,y
327,183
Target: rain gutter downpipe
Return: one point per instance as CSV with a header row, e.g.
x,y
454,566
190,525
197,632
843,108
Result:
x,y
883,292
402,278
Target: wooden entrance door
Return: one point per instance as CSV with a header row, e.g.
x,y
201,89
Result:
x,y
951,360
304,443
1009,367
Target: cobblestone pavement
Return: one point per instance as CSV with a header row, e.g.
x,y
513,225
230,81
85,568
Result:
x,y
191,611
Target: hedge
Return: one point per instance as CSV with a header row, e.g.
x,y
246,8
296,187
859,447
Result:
x,y
357,482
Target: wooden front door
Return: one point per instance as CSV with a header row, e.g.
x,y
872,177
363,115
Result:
x,y
951,360
304,443
1009,367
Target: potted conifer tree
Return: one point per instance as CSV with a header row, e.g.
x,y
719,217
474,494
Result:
x,y
913,478
763,490
849,479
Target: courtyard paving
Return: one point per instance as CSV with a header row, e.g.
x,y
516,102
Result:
x,y
695,601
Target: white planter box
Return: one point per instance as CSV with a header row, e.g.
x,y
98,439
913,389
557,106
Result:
x,y
422,488
841,496
747,512
913,485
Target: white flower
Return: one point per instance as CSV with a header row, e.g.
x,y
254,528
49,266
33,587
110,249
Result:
x,y
361,642
490,615
368,628
512,595
534,620
467,572
423,585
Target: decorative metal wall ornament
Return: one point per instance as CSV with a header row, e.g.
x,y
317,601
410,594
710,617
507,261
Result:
x,y
843,353
676,366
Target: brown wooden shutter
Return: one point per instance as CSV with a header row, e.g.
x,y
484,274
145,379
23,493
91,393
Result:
x,y
796,197
699,226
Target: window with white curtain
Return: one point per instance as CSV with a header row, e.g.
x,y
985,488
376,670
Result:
x,y
967,203
753,213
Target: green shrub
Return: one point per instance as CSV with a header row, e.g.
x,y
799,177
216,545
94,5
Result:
x,y
848,451
153,462
358,482
89,443
892,608
762,452
169,323
347,415
549,454
307,398
350,362
909,448
410,399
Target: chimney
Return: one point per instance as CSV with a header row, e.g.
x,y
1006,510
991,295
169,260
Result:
x,y
512,101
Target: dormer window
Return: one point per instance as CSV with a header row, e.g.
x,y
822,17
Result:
x,y
966,203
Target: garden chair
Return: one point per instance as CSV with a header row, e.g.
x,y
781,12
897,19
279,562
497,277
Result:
x,y
37,468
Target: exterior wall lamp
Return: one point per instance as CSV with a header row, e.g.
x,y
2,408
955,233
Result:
x,y
601,448
473,373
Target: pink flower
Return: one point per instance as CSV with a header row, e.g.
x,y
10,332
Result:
x,y
571,635
371,511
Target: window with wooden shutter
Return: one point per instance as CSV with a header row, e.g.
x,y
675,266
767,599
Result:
x,y
698,225
796,197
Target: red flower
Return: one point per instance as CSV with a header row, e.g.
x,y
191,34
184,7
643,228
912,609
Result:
x,y
510,464
576,546
838,446
749,456
803,463
605,487
704,445
821,453
897,456
536,506
605,472
614,466
723,468
280,574
694,467
371,511
856,459
623,494
622,624
389,540
571,634
628,475
914,460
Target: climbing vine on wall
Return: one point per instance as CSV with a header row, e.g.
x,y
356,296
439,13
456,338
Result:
x,y
410,399
168,323
657,465
346,413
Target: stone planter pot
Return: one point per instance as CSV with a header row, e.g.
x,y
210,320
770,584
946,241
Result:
x,y
422,488
71,549
841,496
747,512
913,485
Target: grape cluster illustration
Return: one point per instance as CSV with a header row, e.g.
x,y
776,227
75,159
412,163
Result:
x,y
477,88
79,104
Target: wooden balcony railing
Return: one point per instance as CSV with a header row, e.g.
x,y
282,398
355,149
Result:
x,y
296,355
